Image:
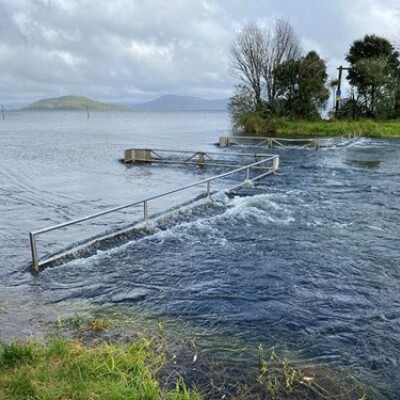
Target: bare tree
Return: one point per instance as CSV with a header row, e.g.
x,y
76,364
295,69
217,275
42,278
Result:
x,y
280,46
247,59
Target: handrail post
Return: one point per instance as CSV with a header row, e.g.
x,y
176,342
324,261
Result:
x,y
275,164
35,261
209,189
145,211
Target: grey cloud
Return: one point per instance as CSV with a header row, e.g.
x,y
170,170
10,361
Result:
x,y
131,49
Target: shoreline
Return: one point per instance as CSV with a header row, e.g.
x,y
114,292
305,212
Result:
x,y
306,129
176,362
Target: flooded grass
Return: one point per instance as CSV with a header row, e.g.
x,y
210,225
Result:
x,y
92,357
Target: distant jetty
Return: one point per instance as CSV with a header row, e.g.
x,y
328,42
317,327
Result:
x,y
68,103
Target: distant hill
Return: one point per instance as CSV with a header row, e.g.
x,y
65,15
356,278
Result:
x,y
73,103
182,103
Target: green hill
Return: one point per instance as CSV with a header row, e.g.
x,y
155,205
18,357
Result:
x,y
74,103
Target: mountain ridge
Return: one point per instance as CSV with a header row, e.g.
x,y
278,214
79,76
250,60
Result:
x,y
169,102
173,102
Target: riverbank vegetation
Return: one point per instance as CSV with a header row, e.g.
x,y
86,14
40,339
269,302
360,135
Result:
x,y
284,91
252,124
89,359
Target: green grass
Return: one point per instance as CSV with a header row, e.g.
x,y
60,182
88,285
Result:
x,y
301,128
66,369
366,128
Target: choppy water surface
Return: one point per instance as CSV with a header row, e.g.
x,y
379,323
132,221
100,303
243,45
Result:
x,y
307,259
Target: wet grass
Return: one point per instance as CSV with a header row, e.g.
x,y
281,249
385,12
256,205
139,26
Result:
x,y
282,127
88,358
66,369
366,128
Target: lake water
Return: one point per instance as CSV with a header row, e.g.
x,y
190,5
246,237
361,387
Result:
x,y
308,259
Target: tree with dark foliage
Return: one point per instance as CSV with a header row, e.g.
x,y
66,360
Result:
x,y
301,84
375,74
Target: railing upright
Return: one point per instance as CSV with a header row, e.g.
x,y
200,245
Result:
x,y
209,189
145,211
35,260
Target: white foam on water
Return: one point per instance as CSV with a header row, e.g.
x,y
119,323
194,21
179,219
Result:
x,y
368,142
258,210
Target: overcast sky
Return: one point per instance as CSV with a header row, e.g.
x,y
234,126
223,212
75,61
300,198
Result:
x,y
137,50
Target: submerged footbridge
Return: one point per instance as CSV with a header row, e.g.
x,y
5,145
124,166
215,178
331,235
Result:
x,y
242,169
305,143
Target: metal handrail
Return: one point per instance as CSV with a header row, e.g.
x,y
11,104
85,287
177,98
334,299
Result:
x,y
298,139
318,142
32,235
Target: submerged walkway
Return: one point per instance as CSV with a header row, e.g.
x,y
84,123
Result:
x,y
316,143
257,167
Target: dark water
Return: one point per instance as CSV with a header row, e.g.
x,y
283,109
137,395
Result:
x,y
308,259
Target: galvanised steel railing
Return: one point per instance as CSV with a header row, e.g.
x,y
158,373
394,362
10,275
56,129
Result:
x,y
274,159
316,142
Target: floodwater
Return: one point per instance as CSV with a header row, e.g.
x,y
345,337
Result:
x,y
308,259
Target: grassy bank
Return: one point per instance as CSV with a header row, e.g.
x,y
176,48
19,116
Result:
x,y
95,362
256,125
66,369
366,128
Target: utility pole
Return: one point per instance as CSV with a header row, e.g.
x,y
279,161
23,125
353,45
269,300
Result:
x,y
338,91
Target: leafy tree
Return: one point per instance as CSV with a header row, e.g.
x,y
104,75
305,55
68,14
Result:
x,y
375,72
276,80
242,103
301,83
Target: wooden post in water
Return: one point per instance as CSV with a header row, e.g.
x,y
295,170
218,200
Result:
x,y
2,112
